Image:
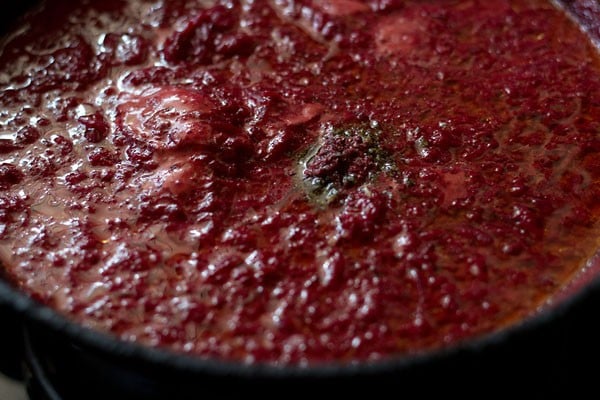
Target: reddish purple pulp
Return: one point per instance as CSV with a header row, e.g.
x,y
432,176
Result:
x,y
298,181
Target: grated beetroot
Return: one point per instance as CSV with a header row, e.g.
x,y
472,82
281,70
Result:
x,y
298,181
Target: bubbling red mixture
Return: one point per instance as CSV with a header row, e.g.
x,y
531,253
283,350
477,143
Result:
x,y
297,182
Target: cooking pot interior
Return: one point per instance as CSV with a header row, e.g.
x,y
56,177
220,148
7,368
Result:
x,y
547,352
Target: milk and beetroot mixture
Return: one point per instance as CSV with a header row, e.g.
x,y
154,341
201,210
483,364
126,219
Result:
x,y
298,181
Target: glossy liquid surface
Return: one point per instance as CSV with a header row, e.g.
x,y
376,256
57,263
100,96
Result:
x,y
298,181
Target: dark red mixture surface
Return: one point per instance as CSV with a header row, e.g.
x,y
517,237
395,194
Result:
x,y
298,181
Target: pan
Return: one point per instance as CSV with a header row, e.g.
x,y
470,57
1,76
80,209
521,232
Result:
x,y
545,354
